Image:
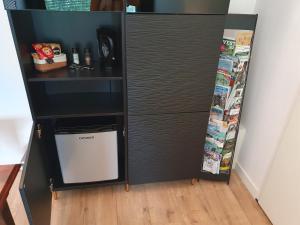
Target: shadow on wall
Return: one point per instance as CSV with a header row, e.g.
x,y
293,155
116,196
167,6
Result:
x,y
14,137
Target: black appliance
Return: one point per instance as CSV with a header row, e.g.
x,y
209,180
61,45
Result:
x,y
106,43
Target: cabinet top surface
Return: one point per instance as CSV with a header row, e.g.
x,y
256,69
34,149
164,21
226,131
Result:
x,y
132,6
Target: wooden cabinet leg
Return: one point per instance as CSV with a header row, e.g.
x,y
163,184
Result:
x,y
193,181
127,187
55,195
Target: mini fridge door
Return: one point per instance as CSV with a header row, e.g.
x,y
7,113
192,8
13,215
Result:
x,y
88,157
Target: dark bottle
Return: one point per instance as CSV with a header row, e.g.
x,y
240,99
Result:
x,y
87,57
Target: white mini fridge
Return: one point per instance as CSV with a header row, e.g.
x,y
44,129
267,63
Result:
x,y
88,157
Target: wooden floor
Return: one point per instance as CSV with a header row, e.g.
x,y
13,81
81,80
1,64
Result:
x,y
171,203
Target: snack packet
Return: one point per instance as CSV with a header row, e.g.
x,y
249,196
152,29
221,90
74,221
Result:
x,y
44,51
56,48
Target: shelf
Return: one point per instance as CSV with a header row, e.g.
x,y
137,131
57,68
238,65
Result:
x,y
66,74
41,5
63,11
80,105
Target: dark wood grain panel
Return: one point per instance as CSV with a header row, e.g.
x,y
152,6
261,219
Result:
x,y
183,6
241,21
172,62
34,184
165,147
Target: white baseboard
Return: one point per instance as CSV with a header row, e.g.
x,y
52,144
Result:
x,y
239,144
252,188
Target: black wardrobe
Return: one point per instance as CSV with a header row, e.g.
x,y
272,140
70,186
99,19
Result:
x,y
158,94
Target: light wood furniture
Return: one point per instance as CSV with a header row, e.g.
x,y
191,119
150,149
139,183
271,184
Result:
x,y
7,177
171,203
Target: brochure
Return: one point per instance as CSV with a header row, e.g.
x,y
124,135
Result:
x,y
220,96
231,133
235,63
235,95
213,144
225,64
234,112
229,145
242,51
237,102
244,37
225,162
216,113
211,162
228,46
233,119
217,129
223,78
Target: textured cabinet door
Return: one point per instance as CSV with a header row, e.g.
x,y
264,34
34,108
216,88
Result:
x,y
171,62
34,184
165,147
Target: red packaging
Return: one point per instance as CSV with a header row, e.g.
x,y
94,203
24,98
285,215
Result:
x,y
44,51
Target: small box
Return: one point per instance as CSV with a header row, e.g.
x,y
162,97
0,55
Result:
x,y
43,66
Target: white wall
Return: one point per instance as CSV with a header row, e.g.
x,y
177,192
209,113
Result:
x,y
280,197
242,6
15,117
271,89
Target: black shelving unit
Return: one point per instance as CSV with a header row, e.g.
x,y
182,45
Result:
x,y
66,96
158,93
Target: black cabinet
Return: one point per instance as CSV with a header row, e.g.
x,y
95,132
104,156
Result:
x,y
171,62
171,67
34,184
165,147
158,95
67,98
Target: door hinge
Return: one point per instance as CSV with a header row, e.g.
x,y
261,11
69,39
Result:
x,y
51,185
124,132
39,131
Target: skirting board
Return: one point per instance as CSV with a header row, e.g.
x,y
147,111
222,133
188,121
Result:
x,y
254,191
239,144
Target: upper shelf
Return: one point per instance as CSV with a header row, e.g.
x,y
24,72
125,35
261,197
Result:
x,y
70,5
130,6
66,74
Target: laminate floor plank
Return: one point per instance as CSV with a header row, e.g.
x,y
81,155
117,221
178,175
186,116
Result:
x,y
167,203
251,208
132,207
162,204
223,204
191,202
